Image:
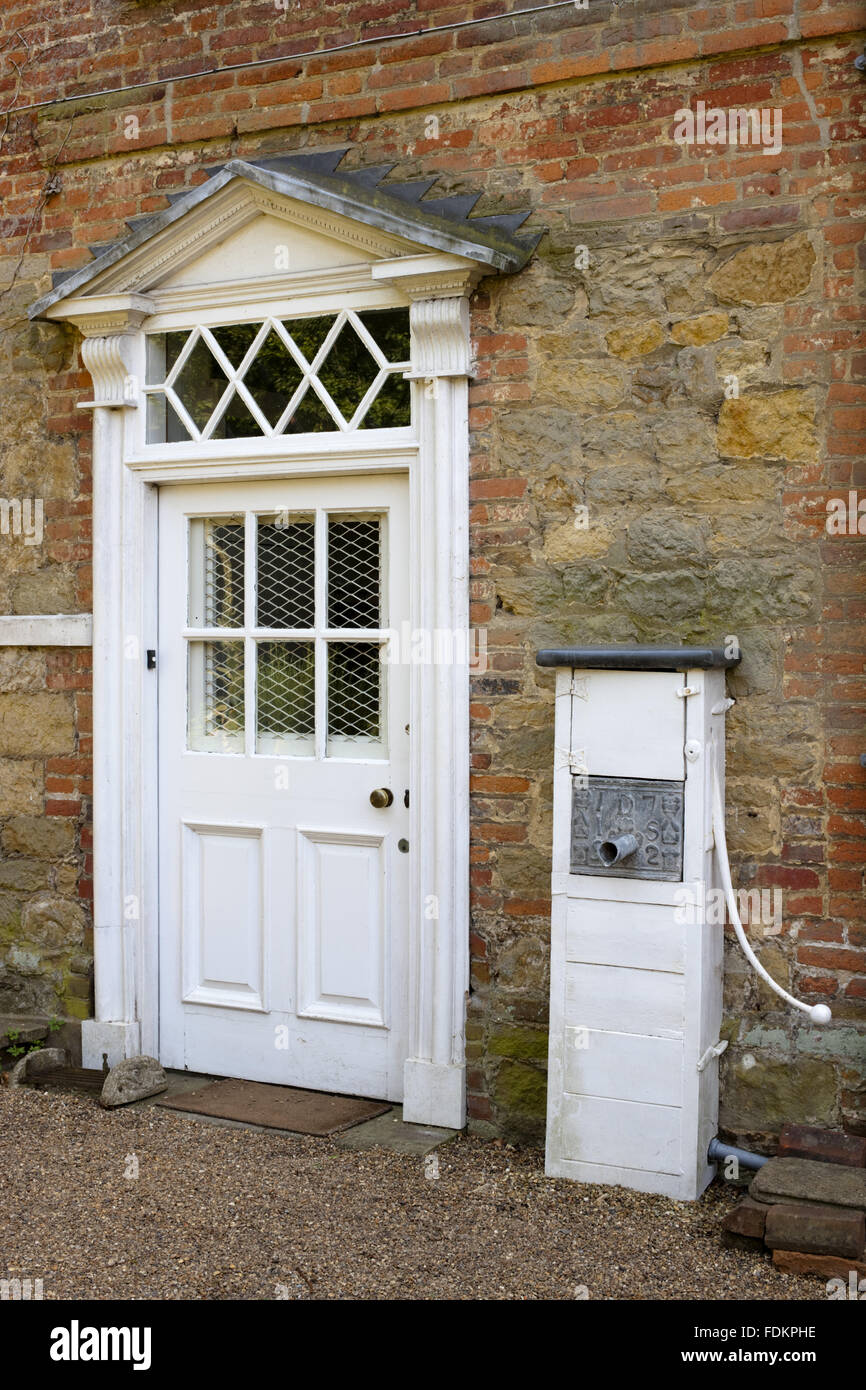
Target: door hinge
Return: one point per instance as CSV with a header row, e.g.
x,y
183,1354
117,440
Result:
x,y
151,659
686,690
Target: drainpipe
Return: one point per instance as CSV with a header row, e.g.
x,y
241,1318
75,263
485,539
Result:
x,y
718,1152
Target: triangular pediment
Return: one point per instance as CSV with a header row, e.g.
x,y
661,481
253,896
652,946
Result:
x,y
249,221
263,245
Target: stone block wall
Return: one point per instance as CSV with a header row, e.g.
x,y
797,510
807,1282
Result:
x,y
46,940
46,937
665,401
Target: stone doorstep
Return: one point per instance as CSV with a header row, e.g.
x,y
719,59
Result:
x,y
824,1266
816,1230
825,1145
389,1131
806,1181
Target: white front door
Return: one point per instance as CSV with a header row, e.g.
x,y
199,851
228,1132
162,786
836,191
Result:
x,y
283,889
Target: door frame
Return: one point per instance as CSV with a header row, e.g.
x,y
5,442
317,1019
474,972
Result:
x,y
126,475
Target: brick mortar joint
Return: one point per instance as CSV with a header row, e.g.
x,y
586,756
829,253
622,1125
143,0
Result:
x,y
64,108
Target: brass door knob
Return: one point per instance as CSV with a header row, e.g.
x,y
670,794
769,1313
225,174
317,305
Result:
x,y
381,798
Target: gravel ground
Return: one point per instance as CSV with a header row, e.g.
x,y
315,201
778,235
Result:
x,y
238,1214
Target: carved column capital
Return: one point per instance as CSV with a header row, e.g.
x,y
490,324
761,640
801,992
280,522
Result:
x,y
109,324
105,357
440,336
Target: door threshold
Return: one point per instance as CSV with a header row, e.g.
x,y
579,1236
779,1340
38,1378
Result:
x,y
389,1131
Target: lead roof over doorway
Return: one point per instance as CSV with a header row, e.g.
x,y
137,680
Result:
x,y
442,224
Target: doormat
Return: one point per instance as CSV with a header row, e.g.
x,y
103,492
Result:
x,y
277,1107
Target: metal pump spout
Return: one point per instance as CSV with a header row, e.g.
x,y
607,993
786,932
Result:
x,y
614,851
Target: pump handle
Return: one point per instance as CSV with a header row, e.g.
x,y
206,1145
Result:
x,y
818,1013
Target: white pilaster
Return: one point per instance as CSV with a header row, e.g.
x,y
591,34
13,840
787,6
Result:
x,y
109,353
434,1074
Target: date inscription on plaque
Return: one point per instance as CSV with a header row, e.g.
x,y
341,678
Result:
x,y
603,808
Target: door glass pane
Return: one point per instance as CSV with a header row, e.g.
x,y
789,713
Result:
x,y
286,697
286,569
390,328
355,678
216,572
309,334
354,572
216,697
163,350
309,416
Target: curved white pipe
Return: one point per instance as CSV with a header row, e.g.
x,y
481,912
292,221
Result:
x,y
818,1013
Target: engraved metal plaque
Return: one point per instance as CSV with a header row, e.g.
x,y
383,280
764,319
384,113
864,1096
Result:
x,y
604,808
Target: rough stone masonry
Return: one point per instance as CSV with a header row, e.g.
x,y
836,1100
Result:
x,y
665,402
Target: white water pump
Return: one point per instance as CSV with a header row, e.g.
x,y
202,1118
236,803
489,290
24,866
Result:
x,y
636,966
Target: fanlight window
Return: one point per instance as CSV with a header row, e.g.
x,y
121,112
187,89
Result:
x,y
301,376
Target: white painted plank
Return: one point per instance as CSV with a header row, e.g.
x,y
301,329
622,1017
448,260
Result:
x,y
675,1185
623,1066
623,1000
622,1133
632,726
645,936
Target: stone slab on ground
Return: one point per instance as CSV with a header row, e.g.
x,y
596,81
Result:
x,y
825,1145
743,1225
392,1132
826,1266
816,1230
805,1180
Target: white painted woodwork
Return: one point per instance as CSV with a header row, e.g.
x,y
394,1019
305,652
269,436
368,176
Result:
x,y
341,975
623,1066
616,744
649,1002
636,976
283,891
602,1131
606,932
46,630
160,286
222,913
